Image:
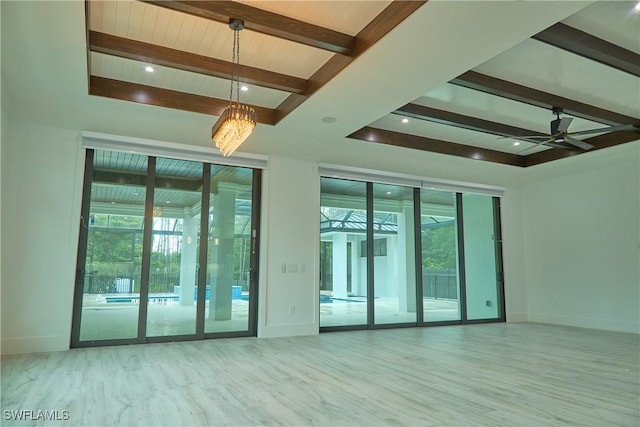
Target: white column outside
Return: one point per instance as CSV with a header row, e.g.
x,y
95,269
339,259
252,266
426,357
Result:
x,y
339,265
188,258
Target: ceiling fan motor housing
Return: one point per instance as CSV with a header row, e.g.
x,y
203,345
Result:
x,y
554,126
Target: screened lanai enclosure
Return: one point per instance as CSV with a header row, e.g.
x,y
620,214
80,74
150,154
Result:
x,y
400,255
166,249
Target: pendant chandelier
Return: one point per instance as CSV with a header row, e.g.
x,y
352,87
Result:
x,y
237,120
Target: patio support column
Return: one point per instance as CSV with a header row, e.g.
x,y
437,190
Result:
x,y
406,255
340,265
188,258
223,234
358,284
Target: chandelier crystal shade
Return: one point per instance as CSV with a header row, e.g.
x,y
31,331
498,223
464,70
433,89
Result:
x,y
237,120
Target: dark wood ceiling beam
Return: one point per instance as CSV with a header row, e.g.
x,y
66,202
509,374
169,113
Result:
x,y
265,22
153,54
588,46
599,142
150,95
509,90
387,137
450,118
387,20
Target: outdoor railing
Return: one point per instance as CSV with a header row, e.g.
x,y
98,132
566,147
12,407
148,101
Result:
x,y
440,284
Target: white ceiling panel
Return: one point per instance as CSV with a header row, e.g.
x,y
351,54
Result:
x,y
541,66
456,135
127,70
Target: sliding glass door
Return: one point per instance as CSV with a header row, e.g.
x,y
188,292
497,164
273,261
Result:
x,y
482,257
167,250
111,246
177,195
231,247
343,257
393,255
439,257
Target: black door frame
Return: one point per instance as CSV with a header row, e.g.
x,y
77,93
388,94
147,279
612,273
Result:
x,y
420,321
199,334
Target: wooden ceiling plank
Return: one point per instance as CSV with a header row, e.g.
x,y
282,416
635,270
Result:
x,y
591,47
265,22
386,21
599,142
160,55
514,91
387,137
150,95
450,118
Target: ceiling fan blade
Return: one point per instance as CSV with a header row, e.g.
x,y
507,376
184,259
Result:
x,y
547,143
564,124
578,143
605,130
524,137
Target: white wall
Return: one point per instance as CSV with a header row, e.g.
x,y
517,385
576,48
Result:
x,y
582,240
42,169
41,189
573,231
288,296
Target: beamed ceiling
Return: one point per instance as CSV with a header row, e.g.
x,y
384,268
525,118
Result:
x,y
588,65
290,50
195,41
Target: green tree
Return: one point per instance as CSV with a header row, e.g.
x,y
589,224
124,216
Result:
x,y
439,248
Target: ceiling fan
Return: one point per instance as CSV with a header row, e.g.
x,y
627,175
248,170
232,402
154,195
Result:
x,y
560,136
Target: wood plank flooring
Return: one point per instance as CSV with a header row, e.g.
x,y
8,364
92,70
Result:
x,y
517,374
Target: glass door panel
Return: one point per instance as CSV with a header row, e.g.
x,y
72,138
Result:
x,y
393,254
440,279
343,264
171,307
114,227
178,265
481,267
230,248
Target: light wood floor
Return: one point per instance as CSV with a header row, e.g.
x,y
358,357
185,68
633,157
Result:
x,y
476,375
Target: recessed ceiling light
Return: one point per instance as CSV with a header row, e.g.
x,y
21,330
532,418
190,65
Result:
x,y
405,120
388,193
244,88
637,8
329,119
149,69
516,143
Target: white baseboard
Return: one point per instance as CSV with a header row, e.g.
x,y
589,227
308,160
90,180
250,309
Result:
x,y
587,322
287,330
34,344
517,317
